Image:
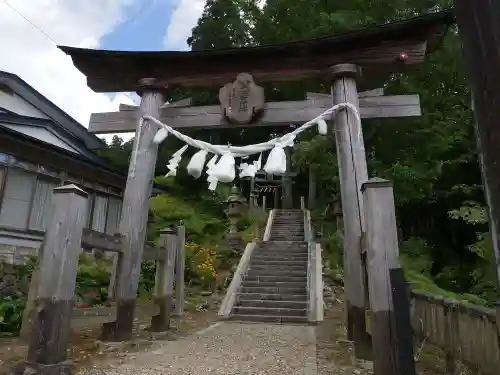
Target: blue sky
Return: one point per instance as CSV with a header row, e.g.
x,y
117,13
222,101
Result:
x,y
154,25
144,28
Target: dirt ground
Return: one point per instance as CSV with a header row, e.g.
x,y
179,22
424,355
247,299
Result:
x,y
87,352
334,353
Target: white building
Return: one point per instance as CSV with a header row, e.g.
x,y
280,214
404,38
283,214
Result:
x,y
42,147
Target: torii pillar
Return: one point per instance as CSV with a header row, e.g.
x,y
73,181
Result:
x,y
134,216
353,173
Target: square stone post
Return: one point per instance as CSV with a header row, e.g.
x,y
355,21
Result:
x,y
392,338
164,283
180,266
51,326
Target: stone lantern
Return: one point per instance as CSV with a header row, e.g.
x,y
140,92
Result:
x,y
234,210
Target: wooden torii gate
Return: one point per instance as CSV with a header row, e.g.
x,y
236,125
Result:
x,y
181,115
340,59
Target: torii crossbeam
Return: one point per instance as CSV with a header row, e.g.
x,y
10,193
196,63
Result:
x,y
181,116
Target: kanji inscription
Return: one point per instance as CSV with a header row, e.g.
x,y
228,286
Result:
x,y
242,101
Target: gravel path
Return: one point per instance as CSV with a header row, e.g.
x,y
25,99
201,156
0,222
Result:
x,y
231,348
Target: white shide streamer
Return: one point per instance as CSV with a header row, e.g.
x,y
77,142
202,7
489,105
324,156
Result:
x,y
224,169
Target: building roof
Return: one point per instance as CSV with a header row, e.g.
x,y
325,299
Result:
x,y
63,120
58,123
25,146
16,122
377,49
90,162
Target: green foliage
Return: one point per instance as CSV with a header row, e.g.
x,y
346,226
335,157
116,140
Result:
x,y
416,255
11,314
203,222
12,305
92,280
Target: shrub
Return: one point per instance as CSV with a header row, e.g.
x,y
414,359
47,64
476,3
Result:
x,y
201,264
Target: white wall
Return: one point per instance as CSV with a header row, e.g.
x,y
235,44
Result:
x,y
16,104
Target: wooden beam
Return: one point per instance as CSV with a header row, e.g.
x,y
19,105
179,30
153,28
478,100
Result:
x,y
362,94
134,216
352,172
479,26
188,102
92,239
277,113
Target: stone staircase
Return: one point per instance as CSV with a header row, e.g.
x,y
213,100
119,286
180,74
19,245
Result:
x,y
288,225
274,288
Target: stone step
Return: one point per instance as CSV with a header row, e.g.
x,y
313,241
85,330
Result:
x,y
274,272
287,268
281,252
283,236
302,257
271,284
269,319
273,290
266,311
277,263
285,229
271,297
270,278
300,305
286,238
286,232
283,245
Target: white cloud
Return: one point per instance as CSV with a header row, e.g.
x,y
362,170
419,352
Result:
x,y
31,55
184,17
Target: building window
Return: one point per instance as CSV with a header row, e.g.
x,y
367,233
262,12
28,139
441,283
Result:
x,y
4,158
99,213
17,198
114,213
42,209
88,212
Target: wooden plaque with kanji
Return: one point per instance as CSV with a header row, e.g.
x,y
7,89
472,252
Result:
x,y
242,101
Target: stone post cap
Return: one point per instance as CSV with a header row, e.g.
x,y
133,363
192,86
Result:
x,y
167,230
70,189
376,182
